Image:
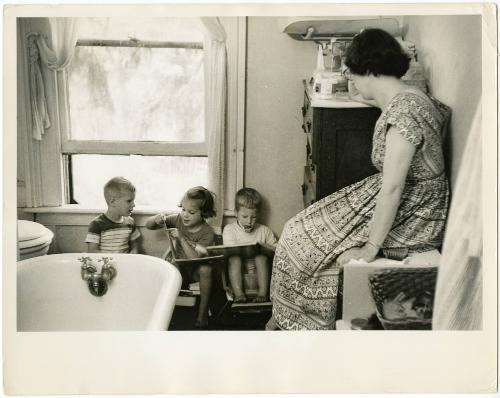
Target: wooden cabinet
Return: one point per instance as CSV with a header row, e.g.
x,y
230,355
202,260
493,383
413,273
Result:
x,y
338,149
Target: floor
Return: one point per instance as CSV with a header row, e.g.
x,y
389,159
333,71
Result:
x,y
223,316
183,319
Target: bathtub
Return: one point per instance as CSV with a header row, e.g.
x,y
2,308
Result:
x,y
52,296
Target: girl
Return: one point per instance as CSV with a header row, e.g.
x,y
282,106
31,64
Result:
x,y
191,235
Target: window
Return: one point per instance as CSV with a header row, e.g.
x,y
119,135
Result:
x,y
135,91
98,123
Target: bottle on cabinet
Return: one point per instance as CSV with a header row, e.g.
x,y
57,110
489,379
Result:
x,y
327,82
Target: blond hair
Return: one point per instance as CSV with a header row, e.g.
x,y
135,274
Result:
x,y
249,198
116,187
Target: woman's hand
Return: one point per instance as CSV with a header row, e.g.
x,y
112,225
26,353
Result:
x,y
366,253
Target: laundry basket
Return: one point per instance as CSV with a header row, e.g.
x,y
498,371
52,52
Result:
x,y
388,283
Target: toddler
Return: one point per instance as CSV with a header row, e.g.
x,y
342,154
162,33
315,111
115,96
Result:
x,y
115,231
191,235
246,230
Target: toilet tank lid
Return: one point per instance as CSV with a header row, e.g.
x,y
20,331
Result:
x,y
29,230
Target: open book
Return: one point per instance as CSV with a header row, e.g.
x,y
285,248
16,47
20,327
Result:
x,y
211,260
245,251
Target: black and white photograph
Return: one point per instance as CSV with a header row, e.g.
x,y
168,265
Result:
x,y
206,177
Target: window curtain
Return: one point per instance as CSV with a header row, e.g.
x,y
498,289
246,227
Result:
x,y
458,304
63,36
215,107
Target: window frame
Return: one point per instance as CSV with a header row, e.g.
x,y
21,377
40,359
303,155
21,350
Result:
x,y
42,182
109,147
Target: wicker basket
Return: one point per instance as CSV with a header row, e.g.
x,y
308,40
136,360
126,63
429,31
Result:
x,y
386,284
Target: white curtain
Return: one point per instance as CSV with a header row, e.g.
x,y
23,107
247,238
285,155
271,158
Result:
x,y
215,108
63,32
458,303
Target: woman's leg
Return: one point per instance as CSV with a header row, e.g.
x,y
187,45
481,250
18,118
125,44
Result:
x,y
235,279
262,268
205,272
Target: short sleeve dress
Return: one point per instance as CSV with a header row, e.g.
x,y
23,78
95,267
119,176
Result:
x,y
305,278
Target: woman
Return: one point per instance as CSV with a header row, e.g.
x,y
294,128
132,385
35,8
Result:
x,y
401,209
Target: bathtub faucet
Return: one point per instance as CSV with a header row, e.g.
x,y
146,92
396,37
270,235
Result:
x,y
87,268
97,281
108,272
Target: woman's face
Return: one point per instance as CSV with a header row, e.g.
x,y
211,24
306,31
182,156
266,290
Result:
x,y
362,83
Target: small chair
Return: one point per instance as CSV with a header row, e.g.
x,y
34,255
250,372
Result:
x,y
242,308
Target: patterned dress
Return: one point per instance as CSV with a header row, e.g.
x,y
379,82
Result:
x,y
305,277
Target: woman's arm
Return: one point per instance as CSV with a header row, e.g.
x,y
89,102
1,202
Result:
x,y
398,156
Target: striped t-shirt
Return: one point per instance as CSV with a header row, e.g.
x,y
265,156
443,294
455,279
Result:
x,y
112,237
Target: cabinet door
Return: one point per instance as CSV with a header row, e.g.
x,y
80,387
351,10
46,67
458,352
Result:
x,y
343,145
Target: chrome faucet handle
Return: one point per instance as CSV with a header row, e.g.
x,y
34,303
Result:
x,y
87,265
84,260
108,272
87,269
105,261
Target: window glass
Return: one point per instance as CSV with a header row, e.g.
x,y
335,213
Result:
x,y
121,92
161,28
137,93
160,181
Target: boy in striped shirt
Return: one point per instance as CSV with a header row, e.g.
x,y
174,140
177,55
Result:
x,y
115,231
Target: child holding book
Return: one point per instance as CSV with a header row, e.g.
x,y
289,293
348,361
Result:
x,y
246,230
114,231
190,235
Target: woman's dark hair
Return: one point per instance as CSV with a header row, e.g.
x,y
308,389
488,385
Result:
x,y
375,51
206,198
